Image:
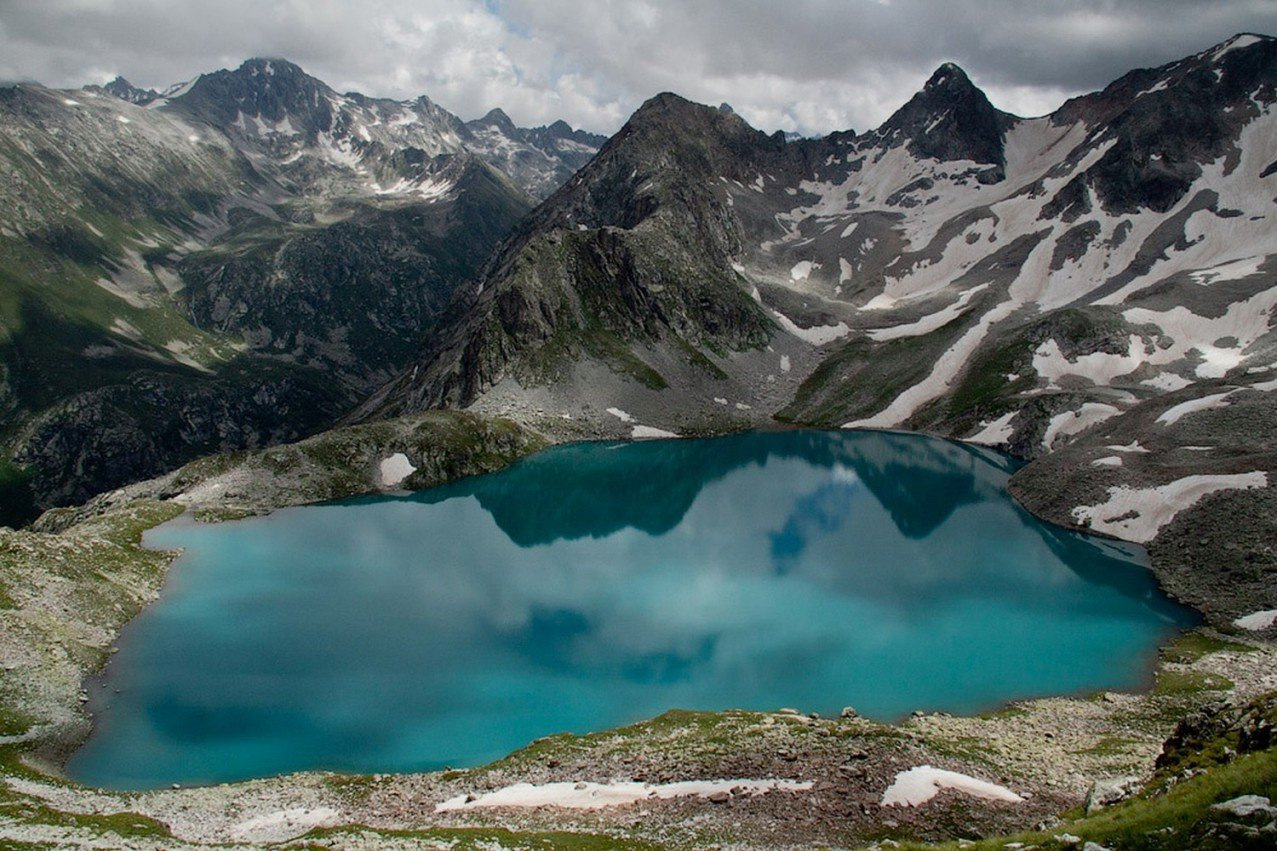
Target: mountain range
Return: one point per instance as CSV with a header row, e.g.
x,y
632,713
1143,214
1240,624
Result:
x,y
250,257
230,263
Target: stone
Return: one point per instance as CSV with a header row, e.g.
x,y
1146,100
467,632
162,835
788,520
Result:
x,y
848,712
719,797
1109,791
1246,806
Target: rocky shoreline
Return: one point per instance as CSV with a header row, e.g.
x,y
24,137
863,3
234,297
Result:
x,y
63,618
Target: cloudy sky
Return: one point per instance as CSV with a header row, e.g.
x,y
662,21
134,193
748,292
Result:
x,y
806,65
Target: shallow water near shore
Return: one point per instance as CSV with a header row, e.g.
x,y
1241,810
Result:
x,y
598,584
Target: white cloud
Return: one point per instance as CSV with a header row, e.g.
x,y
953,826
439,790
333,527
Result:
x,y
806,65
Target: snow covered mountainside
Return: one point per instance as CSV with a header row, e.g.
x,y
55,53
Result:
x,y
957,269
230,263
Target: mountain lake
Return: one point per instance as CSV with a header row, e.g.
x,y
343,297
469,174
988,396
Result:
x,y
599,584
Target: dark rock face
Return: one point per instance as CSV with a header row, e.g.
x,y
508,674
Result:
x,y
261,220
152,423
124,90
356,298
636,249
1164,124
950,119
270,89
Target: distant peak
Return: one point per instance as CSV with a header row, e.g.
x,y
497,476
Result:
x,y
948,75
124,90
498,118
665,100
561,128
1237,42
268,66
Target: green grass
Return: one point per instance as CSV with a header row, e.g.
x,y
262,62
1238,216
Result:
x,y
1191,646
1181,683
1181,818
30,810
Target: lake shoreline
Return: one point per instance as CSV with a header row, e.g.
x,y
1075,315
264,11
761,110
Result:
x,y
1154,713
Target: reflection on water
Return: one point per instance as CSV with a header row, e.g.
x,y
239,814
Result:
x,y
594,585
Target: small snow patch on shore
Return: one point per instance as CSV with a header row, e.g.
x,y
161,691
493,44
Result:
x,y
620,415
283,825
642,432
395,469
1258,620
995,432
593,796
919,785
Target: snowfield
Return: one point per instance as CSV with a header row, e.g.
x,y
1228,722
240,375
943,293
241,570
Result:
x,y
1136,514
593,796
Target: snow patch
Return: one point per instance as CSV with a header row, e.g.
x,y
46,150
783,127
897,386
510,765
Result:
x,y
642,432
946,371
1137,514
995,432
1109,461
817,335
1174,414
1075,422
1231,271
930,322
802,270
919,785
1235,43
593,796
620,415
395,469
284,825
1130,447
1258,620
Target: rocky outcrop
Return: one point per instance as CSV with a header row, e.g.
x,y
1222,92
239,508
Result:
x,y
951,120
151,423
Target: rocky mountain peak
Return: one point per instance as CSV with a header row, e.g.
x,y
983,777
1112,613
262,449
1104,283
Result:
x,y
497,118
561,129
273,90
124,90
949,76
950,119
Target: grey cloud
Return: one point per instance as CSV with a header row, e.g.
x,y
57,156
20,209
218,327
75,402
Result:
x,y
807,65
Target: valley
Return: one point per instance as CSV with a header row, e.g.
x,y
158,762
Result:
x,y
252,292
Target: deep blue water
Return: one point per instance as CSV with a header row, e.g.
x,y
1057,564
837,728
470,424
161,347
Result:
x,y
599,584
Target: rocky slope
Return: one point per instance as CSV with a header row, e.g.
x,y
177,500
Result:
x,y
958,270
949,270
233,262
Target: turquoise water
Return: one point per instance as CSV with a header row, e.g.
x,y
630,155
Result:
x,y
595,585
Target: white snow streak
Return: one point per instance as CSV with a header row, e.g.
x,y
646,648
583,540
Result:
x,y
593,796
1137,514
1173,415
919,785
1258,620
